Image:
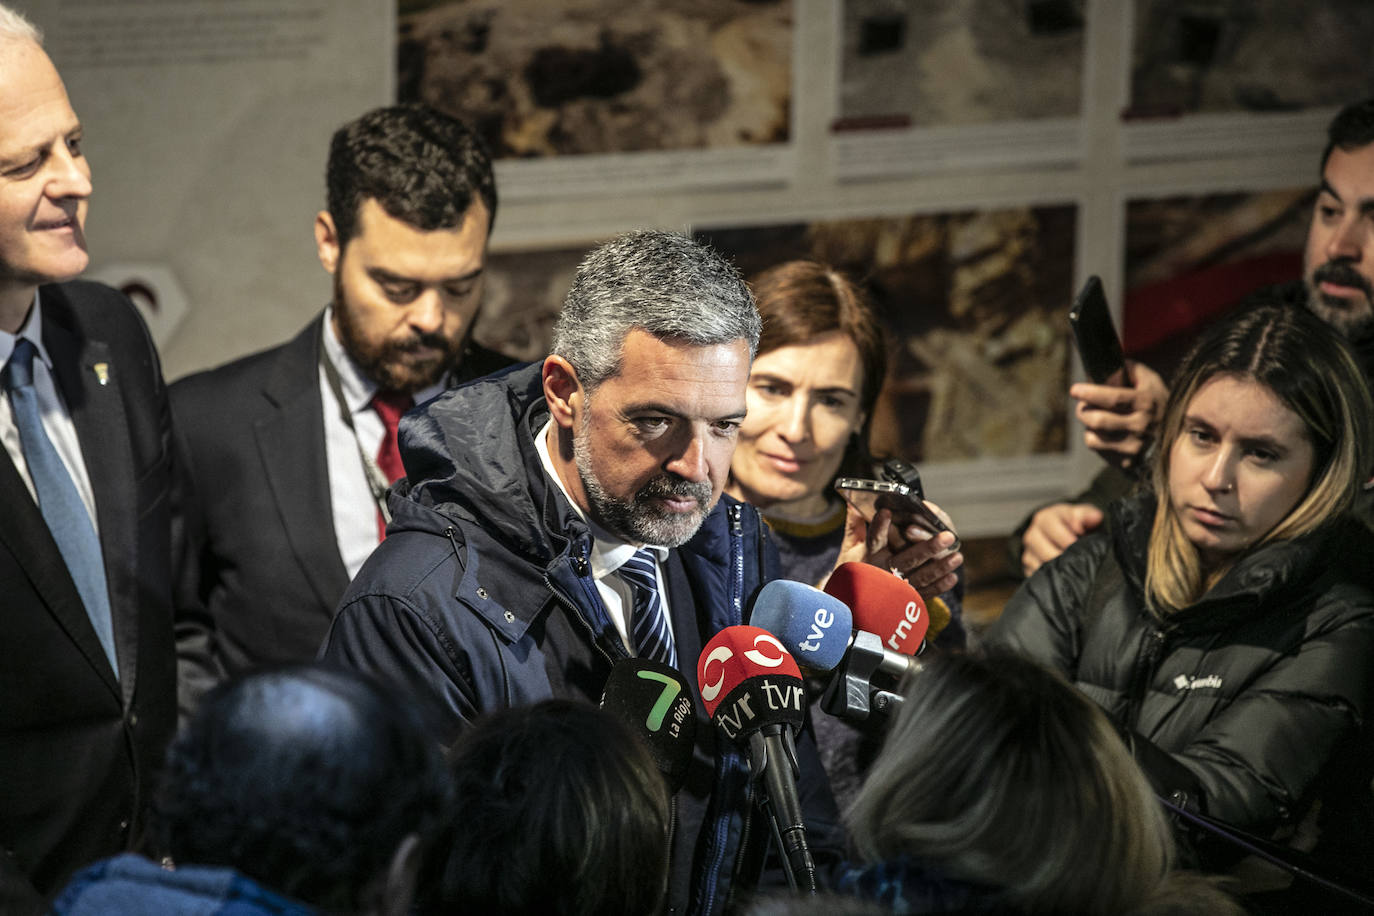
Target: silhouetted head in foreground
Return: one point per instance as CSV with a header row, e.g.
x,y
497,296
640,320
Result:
x,y
313,781
560,811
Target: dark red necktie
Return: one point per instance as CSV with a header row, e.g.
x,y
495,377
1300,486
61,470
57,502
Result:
x,y
389,406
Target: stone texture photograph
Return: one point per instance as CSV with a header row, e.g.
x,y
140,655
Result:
x,y
1191,258
975,304
542,79
1195,56
522,298
930,63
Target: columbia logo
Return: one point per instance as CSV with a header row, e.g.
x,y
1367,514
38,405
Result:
x,y
1183,682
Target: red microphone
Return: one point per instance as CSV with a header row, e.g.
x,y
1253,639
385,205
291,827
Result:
x,y
753,692
882,604
749,680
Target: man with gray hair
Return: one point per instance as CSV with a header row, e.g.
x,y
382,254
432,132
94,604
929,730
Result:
x,y
563,516
87,657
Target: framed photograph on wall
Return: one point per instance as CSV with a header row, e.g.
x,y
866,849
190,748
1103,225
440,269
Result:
x,y
932,85
604,95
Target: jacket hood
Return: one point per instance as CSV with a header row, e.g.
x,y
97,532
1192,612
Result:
x,y
468,456
1270,572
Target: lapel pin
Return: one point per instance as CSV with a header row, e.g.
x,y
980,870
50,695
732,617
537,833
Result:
x,y
102,373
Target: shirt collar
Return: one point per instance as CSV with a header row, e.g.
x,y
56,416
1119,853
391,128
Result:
x,y
32,331
609,552
357,388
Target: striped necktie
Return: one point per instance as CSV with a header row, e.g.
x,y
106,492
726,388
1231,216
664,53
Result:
x,y
58,499
648,625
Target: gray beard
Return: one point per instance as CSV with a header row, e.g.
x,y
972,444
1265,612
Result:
x,y
639,519
1351,323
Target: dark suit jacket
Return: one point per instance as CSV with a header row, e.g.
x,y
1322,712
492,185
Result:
x,y
263,557
77,748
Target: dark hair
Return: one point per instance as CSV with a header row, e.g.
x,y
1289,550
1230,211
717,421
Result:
x,y
1351,129
559,810
422,166
305,778
1309,367
801,300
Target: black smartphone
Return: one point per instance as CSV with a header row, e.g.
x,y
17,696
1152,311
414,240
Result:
x,y
906,505
1099,347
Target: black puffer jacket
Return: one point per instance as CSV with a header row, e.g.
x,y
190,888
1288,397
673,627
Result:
x,y
1257,690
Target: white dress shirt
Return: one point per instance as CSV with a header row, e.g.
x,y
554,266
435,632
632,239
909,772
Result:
x,y
609,553
57,422
350,496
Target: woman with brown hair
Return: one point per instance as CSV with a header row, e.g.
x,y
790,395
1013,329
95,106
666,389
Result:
x,y
821,362
820,366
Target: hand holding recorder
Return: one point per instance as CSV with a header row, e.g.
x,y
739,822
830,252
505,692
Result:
x,y
892,525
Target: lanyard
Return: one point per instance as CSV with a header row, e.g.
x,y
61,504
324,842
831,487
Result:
x,y
376,480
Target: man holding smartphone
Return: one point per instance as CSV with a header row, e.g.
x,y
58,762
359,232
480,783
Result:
x,y
1337,285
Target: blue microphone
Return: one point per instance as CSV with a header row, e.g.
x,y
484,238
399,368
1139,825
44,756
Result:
x,y
816,628
813,626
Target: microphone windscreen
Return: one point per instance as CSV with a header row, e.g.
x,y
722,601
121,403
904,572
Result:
x,y
812,625
655,701
748,680
883,604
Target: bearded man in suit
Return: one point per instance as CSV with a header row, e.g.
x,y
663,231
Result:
x,y
289,452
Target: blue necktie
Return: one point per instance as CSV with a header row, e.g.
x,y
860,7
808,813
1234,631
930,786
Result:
x,y
648,625
58,500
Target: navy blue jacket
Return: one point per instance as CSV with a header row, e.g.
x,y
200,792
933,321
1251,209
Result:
x,y
130,885
481,597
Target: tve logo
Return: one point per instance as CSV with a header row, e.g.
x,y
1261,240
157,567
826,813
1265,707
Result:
x,y
824,619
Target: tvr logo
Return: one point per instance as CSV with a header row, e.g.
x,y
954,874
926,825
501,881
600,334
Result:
x,y
768,697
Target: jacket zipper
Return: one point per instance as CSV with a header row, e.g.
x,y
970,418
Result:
x,y
743,841
737,561
723,822
576,610
1146,663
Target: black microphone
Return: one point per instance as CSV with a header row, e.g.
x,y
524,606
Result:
x,y
655,701
753,692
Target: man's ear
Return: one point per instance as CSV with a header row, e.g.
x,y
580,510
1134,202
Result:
x,y
327,241
563,391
